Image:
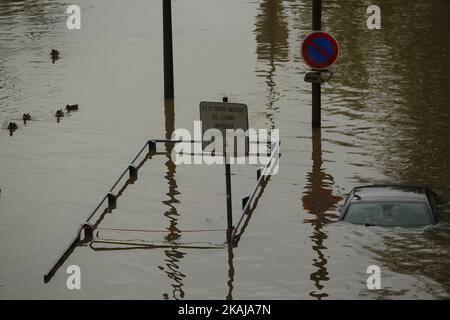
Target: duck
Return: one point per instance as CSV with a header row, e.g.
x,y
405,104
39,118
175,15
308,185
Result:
x,y
55,55
73,107
26,117
59,113
12,126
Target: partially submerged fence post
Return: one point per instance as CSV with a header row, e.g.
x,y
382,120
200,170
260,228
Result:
x,y
152,146
112,200
133,171
88,231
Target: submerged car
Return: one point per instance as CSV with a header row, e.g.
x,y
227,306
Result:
x,y
390,206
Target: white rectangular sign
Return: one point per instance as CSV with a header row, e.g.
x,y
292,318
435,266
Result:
x,y
223,116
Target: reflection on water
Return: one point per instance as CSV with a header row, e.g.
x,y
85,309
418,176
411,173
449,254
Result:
x,y
272,47
387,105
174,255
417,252
230,272
395,82
26,28
272,32
171,213
318,200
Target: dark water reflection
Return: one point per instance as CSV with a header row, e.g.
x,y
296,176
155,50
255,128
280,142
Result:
x,y
231,272
272,35
318,200
174,255
387,104
25,29
402,76
417,253
396,80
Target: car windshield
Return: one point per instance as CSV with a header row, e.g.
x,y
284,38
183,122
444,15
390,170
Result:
x,y
411,214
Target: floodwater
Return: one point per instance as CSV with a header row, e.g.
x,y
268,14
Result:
x,y
385,119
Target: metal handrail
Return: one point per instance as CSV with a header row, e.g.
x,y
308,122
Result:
x,y
72,244
116,183
276,147
152,149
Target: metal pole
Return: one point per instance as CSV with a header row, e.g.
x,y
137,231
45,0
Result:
x,y
316,87
228,187
229,208
317,15
168,49
316,105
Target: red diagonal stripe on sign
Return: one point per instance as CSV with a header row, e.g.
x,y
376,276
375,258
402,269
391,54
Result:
x,y
321,51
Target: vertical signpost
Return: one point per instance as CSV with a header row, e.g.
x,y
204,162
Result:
x,y
226,158
320,51
316,87
222,116
168,49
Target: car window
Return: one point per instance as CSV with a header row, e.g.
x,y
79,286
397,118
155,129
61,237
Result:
x,y
389,214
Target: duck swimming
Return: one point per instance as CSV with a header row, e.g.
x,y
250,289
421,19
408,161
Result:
x,y
59,114
73,107
55,55
26,117
12,126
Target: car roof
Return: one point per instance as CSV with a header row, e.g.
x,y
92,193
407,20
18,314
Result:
x,y
389,193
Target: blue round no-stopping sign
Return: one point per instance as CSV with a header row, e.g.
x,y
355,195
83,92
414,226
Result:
x,y
320,50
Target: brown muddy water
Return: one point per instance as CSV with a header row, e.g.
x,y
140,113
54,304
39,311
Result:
x,y
385,120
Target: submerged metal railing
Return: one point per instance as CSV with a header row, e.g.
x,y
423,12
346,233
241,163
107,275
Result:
x,y
89,228
86,226
260,175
